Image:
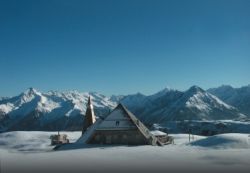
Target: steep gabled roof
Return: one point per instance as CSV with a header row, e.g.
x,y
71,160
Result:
x,y
118,119
127,121
143,129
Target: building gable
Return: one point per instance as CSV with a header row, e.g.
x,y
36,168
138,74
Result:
x,y
118,119
119,127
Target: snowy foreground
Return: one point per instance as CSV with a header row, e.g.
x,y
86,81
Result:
x,y
31,152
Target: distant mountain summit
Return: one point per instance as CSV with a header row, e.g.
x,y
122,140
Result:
x,y
33,110
53,110
193,104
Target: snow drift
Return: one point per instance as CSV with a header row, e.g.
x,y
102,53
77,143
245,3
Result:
x,y
231,140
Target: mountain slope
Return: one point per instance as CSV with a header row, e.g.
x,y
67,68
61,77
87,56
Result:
x,y
34,110
193,104
197,104
237,97
49,111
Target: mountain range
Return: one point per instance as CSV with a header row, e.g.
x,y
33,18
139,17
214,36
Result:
x,y
34,110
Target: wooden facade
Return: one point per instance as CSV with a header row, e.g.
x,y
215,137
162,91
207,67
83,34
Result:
x,y
121,127
59,139
121,137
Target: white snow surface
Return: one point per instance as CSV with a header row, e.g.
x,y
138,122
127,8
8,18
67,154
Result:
x,y
34,141
31,152
6,108
232,140
157,132
197,101
221,102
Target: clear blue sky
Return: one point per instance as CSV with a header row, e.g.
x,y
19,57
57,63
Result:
x,y
123,46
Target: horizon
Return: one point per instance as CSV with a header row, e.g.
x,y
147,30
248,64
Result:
x,y
117,94
123,47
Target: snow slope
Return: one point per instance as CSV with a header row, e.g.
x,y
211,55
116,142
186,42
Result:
x,y
181,157
238,97
33,141
227,141
172,105
33,110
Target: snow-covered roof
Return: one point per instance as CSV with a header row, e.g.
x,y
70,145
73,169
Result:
x,y
157,133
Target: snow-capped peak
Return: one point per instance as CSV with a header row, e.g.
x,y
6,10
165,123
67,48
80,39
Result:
x,y
28,95
54,103
197,101
31,91
194,89
165,105
204,100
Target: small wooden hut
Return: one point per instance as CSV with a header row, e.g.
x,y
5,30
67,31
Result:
x,y
162,137
59,139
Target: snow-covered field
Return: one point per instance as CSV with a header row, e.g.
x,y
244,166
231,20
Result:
x,y
31,152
